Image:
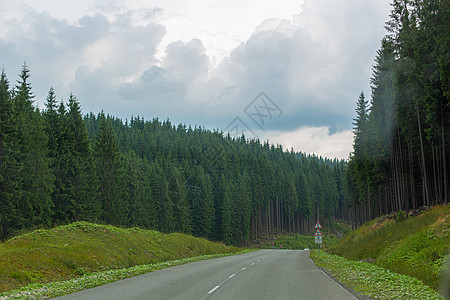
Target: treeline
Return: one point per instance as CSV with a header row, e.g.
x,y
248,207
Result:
x,y
57,167
400,158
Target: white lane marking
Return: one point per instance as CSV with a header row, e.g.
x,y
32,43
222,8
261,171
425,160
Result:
x,y
215,288
243,269
252,264
232,276
259,260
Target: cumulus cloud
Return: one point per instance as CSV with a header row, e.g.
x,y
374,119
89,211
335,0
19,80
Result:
x,y
135,60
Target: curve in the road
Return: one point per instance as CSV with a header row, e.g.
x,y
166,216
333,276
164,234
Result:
x,y
263,274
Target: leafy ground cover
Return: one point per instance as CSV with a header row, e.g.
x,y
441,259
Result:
x,y
373,281
81,248
415,246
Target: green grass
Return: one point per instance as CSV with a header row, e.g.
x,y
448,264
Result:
x,y
373,281
81,248
415,246
302,242
60,288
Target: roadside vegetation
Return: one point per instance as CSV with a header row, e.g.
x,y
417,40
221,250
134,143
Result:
x,y
81,249
60,288
373,281
300,242
415,246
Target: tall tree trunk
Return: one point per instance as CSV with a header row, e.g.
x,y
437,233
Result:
x,y
427,199
411,174
444,162
435,194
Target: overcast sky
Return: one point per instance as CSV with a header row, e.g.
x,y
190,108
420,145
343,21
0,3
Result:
x,y
287,71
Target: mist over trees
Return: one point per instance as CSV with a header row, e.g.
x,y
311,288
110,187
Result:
x,y
58,167
400,152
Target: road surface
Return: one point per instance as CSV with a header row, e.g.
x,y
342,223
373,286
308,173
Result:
x,y
263,274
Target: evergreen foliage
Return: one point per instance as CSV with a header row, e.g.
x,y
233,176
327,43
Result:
x,y
56,168
400,158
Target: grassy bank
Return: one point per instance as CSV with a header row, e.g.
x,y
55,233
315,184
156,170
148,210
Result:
x,y
81,248
61,288
415,246
373,281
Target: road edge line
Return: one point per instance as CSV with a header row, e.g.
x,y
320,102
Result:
x,y
342,286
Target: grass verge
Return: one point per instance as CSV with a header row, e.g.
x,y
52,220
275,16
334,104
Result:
x,y
61,288
371,280
414,246
82,248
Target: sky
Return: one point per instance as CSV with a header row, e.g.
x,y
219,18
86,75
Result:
x,y
285,71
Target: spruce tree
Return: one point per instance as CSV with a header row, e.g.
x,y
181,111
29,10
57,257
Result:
x,y
178,197
86,206
36,178
10,193
109,175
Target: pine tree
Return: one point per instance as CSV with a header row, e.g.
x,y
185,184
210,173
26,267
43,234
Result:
x,y
60,159
10,193
162,206
178,197
81,161
228,231
109,175
139,192
359,123
202,205
36,178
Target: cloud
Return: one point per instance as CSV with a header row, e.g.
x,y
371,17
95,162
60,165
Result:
x,y
314,140
122,57
313,67
156,62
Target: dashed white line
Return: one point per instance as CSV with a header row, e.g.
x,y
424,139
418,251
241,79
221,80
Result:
x,y
212,290
259,260
231,276
243,269
252,264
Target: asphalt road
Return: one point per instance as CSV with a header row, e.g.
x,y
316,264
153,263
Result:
x,y
263,274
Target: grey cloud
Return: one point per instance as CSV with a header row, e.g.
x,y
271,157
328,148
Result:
x,y
50,46
57,35
151,85
313,68
87,30
159,88
183,63
102,87
314,79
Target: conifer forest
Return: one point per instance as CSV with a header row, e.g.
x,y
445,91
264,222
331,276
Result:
x,y
401,154
58,165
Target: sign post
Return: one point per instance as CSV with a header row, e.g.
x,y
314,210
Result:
x,y
318,236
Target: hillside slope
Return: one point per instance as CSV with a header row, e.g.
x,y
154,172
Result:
x,y
414,244
68,251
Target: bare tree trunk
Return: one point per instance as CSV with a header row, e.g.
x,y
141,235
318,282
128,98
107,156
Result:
x,y
427,198
444,162
435,194
411,175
